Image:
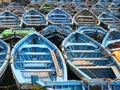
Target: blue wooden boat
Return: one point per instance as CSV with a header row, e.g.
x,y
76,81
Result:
x,y
33,17
60,85
39,2
85,16
112,40
54,2
115,27
4,59
35,55
56,34
88,59
114,8
108,19
64,2
59,16
105,3
94,31
3,7
9,19
81,7
16,8
112,43
77,2
117,2
99,9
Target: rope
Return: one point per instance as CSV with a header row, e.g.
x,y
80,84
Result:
x,y
7,87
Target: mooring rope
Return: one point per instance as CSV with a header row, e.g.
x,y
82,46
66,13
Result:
x,y
7,87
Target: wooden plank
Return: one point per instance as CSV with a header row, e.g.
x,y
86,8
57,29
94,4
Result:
x,y
87,51
94,67
37,70
90,59
116,72
33,61
58,71
37,53
82,63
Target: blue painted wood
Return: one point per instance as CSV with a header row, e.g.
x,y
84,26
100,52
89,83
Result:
x,y
60,85
4,59
59,16
16,8
9,19
94,31
33,18
88,59
32,56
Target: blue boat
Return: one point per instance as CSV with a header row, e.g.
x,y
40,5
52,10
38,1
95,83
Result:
x,y
4,59
77,2
56,34
117,2
99,9
85,16
115,27
60,85
35,55
62,2
112,40
9,19
108,19
89,60
81,7
59,16
112,43
3,7
33,17
114,8
39,2
104,85
54,2
94,31
105,3
16,8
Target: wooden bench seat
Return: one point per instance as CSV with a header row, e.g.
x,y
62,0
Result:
x,y
33,61
90,59
37,70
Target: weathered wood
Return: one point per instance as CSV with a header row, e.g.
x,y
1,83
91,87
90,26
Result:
x,y
90,59
93,67
58,71
116,72
37,70
82,63
80,51
33,61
